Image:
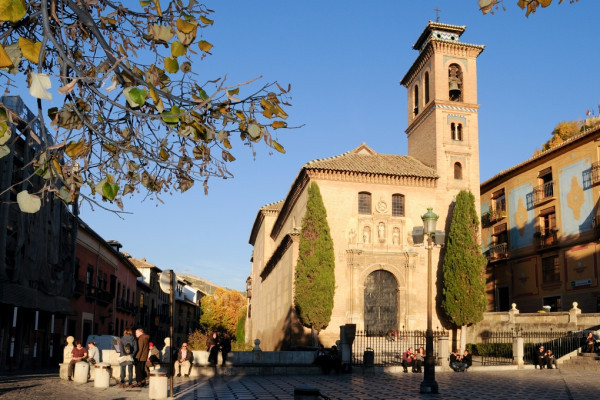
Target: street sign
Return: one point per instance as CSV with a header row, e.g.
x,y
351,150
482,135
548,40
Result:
x,y
166,279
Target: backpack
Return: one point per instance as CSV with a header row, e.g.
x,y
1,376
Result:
x,y
128,348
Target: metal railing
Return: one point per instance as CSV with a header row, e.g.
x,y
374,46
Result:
x,y
544,241
543,192
388,347
498,252
595,170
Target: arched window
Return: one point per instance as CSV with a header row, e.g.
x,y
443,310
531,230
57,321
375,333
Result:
x,y
416,100
457,170
426,87
397,205
456,131
364,203
455,83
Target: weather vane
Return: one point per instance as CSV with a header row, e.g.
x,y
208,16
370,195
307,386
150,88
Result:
x,y
437,14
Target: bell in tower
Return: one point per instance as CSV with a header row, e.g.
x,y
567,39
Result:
x,y
454,83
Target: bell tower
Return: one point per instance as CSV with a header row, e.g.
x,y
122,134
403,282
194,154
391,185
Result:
x,y
442,109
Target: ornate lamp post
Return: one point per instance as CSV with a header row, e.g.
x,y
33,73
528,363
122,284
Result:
x,y
429,385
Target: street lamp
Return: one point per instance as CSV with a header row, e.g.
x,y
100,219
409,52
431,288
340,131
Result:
x,y
429,385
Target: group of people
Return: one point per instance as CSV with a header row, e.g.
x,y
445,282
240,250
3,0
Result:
x,y
80,353
413,360
139,353
328,359
216,343
545,358
460,363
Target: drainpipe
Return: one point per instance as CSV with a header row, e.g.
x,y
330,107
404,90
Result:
x,y
35,336
51,335
13,333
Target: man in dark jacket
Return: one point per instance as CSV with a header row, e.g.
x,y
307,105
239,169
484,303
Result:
x,y
185,359
141,357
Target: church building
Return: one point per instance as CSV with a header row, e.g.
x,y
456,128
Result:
x,y
373,202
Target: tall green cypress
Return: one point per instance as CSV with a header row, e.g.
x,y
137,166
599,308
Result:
x,y
314,284
464,298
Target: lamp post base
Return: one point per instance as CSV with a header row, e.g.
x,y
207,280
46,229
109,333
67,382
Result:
x,y
429,387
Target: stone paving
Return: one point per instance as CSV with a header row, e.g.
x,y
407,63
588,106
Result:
x,y
487,384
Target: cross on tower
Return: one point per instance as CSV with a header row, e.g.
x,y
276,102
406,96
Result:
x,y
437,14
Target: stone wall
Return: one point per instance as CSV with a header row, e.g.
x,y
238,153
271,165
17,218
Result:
x,y
572,320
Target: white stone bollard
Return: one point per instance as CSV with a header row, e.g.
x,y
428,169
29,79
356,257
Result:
x,y
102,375
82,369
158,384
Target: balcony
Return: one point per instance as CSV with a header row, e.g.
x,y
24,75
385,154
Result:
x,y
91,292
546,241
102,296
595,172
498,252
79,288
543,193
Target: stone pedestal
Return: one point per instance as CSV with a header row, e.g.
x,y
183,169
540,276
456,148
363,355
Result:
x,y
82,369
158,384
102,375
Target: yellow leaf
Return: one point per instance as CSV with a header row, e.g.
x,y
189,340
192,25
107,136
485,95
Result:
x,y
12,10
178,49
184,26
171,64
240,115
227,156
163,154
14,54
204,46
278,147
278,124
31,50
160,33
5,60
206,20
226,143
5,132
76,149
39,85
279,111
28,203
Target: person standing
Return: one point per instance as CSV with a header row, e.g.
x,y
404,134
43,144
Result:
x,y
77,354
225,346
141,356
213,349
185,359
127,349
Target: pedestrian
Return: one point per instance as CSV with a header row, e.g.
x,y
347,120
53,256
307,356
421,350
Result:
x,y
141,356
78,353
225,346
128,347
185,358
213,348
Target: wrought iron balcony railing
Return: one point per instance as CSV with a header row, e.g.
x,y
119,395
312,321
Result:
x,y
543,193
546,240
498,252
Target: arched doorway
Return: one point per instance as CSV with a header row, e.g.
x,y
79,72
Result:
x,y
381,302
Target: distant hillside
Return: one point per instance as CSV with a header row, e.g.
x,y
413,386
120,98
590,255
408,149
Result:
x,y
199,283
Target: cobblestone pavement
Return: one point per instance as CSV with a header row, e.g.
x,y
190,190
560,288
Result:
x,y
507,384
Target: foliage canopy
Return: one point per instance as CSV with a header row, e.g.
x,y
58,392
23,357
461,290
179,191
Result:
x,y
464,297
135,116
530,6
222,311
314,284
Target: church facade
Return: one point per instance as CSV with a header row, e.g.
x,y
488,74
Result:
x,y
373,202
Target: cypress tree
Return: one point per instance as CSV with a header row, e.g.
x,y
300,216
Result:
x,y
314,283
464,298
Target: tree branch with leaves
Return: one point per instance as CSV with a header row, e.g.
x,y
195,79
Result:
x,y
530,6
134,117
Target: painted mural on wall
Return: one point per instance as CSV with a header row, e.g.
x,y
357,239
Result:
x,y
521,216
576,200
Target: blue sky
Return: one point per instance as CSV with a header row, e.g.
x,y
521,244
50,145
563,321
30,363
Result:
x,y
344,60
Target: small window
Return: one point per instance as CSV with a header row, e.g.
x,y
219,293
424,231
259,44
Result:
x,y
398,205
364,203
550,269
457,131
457,171
426,87
416,100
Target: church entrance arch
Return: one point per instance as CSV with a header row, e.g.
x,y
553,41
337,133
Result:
x,y
381,302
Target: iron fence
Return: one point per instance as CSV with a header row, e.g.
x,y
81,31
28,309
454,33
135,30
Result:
x,y
385,349
496,347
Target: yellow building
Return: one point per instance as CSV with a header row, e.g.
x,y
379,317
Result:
x,y
373,202
540,229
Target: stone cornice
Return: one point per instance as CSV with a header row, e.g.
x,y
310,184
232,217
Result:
x,y
294,194
355,177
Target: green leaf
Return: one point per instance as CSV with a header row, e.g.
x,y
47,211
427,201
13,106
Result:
x,y
4,151
28,203
110,190
5,132
167,115
178,49
135,97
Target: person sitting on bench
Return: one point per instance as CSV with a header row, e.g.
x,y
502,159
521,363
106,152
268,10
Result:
x,y
407,359
456,362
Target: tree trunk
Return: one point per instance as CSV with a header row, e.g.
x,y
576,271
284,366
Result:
x,y
463,338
